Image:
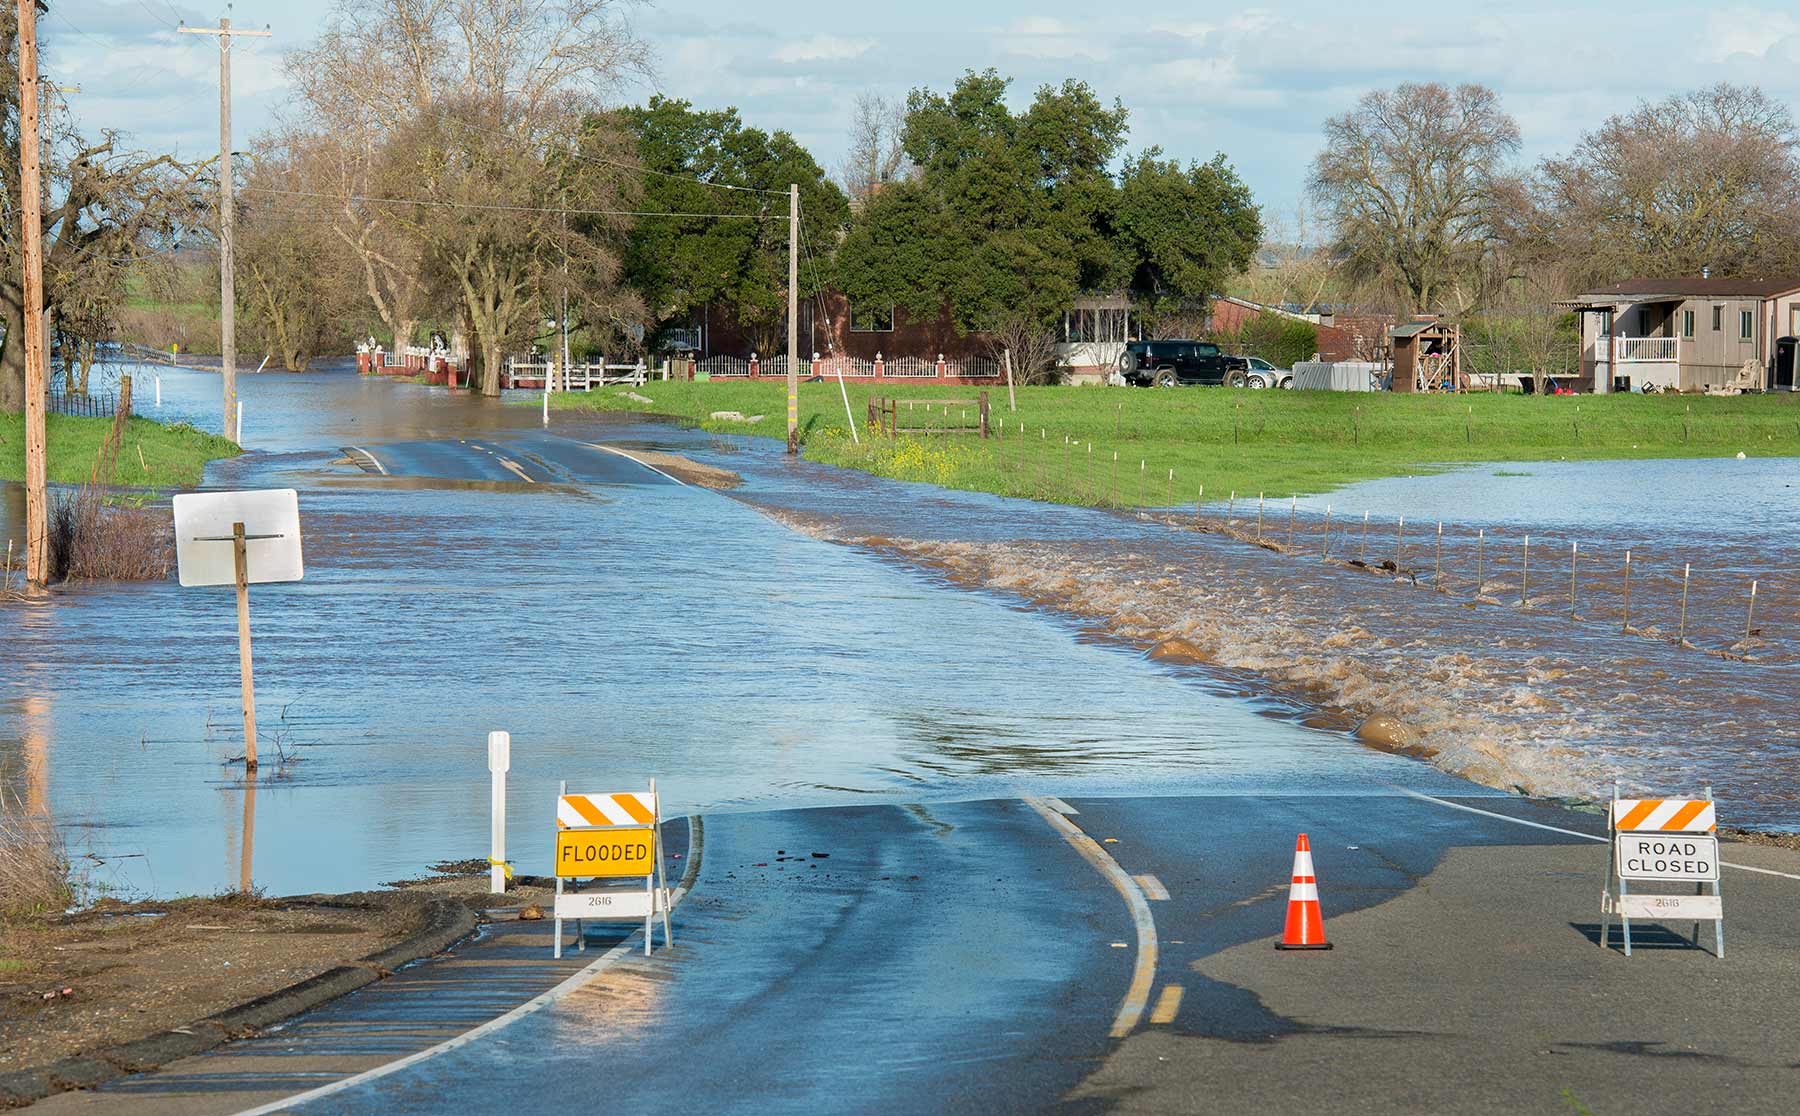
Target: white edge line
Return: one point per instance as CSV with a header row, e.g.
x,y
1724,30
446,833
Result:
x,y
637,460
535,1004
1137,994
372,459
1573,833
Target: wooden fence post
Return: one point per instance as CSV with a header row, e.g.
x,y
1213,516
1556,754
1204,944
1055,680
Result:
x,y
984,415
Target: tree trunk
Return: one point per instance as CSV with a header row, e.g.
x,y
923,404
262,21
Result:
x,y
13,353
490,367
404,329
87,362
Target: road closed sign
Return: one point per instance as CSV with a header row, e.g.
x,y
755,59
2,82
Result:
x,y
592,853
1654,856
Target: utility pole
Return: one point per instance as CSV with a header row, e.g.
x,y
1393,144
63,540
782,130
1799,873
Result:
x,y
227,218
37,518
793,369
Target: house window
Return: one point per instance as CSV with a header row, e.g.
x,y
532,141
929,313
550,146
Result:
x,y
1718,318
1643,321
1746,325
1687,324
1794,321
871,319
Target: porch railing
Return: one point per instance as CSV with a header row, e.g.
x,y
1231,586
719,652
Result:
x,y
1644,350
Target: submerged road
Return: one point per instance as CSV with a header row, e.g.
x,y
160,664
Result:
x,y
1115,955
521,457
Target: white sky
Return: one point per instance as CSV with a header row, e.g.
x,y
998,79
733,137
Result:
x,y
1254,83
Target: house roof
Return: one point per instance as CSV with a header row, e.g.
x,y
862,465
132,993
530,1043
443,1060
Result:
x,y
1689,286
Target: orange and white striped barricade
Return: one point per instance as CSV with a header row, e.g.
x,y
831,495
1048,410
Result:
x,y
605,837
1664,840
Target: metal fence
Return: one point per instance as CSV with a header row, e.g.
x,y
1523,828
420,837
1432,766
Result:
x,y
911,368
725,367
90,405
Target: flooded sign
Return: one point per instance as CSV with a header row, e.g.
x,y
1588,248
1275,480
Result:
x,y
271,534
1662,840
240,539
609,837
605,852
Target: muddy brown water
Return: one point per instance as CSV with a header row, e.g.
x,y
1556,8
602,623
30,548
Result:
x,y
622,631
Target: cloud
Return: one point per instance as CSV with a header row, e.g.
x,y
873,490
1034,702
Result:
x,y
823,48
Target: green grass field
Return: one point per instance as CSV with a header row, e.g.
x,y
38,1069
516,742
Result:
x,y
172,456
1273,442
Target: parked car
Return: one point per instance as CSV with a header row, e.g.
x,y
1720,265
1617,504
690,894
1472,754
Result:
x,y
1169,363
1266,375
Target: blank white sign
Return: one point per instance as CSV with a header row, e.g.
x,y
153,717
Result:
x,y
204,516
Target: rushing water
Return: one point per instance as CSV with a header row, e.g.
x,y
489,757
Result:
x,y
623,631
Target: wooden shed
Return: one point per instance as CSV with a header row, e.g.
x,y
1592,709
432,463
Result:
x,y
1427,356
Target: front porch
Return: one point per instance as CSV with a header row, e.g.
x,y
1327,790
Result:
x,y
1623,363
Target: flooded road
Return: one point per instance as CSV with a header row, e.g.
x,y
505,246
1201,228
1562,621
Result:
x,y
618,630
484,573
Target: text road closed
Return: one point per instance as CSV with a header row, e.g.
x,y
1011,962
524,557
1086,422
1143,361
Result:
x,y
1655,857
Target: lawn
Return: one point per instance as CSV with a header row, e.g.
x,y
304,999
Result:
x,y
1061,442
151,455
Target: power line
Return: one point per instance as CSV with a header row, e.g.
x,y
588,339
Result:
x,y
504,208
140,68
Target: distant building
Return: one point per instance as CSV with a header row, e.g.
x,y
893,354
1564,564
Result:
x,y
1690,333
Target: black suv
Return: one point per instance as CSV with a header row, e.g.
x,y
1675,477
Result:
x,y
1168,363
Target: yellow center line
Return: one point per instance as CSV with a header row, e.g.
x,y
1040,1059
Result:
x,y
1153,887
1137,993
518,472
1167,1004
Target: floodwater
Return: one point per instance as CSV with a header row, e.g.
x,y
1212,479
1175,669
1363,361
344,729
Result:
x,y
813,638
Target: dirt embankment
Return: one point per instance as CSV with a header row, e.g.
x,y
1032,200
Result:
x,y
124,987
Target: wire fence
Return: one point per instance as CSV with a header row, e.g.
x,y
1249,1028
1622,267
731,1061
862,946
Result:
x,y
83,405
1740,605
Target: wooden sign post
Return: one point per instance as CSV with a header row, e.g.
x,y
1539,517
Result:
x,y
203,518
246,676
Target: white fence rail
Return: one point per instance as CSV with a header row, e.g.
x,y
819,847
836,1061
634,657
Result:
x,y
1644,350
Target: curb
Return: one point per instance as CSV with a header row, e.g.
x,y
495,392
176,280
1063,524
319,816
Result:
x,y
445,922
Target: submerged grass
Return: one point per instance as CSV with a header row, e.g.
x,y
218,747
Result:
x,y
1060,443
151,454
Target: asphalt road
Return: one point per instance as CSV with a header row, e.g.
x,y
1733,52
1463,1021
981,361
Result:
x,y
1101,955
522,457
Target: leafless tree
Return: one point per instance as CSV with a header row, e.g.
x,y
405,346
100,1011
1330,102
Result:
x,y
496,182
1708,179
1030,345
296,278
412,59
105,206
876,157
1408,181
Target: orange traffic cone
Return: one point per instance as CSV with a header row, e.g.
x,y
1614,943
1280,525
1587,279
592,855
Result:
x,y
1305,925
